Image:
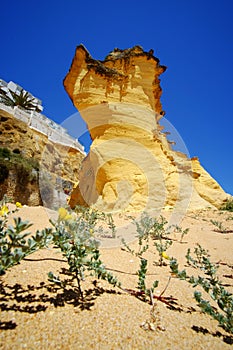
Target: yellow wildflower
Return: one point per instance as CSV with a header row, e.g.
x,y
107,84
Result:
x,y
62,212
68,217
18,205
91,231
165,256
4,210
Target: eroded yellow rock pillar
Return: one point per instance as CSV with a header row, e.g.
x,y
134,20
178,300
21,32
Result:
x,y
131,165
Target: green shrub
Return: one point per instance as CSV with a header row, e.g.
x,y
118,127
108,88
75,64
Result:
x,y
211,284
151,228
228,205
13,243
93,216
75,236
75,233
5,152
23,166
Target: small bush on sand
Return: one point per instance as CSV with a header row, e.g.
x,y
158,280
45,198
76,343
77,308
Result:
x,y
228,205
15,243
211,284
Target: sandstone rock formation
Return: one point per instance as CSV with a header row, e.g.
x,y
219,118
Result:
x,y
131,165
58,164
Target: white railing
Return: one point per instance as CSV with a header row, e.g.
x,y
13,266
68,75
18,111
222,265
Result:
x,y
39,122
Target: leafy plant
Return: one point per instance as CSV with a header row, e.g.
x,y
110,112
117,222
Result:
x,y
228,205
93,216
151,228
89,214
159,235
75,236
143,228
181,231
223,311
23,100
5,152
142,278
148,228
23,166
111,224
13,243
220,227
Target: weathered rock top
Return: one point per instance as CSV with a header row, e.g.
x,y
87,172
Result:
x,y
131,165
124,76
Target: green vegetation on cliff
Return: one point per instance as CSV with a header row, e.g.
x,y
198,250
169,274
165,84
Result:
x,y
26,168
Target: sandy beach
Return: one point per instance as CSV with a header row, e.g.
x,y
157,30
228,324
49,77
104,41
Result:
x,y
36,314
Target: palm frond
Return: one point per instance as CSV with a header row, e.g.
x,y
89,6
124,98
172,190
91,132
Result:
x,y
22,100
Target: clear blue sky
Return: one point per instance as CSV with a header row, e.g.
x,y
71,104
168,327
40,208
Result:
x,y
193,38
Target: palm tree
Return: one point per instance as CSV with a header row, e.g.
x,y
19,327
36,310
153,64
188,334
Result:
x,y
22,100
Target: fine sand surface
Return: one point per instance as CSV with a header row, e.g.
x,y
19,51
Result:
x,y
38,315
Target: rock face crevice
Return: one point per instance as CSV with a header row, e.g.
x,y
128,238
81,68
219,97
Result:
x,y
131,165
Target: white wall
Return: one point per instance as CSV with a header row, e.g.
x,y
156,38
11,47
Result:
x,y
55,132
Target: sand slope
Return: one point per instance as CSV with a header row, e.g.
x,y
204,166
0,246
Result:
x,y
38,315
